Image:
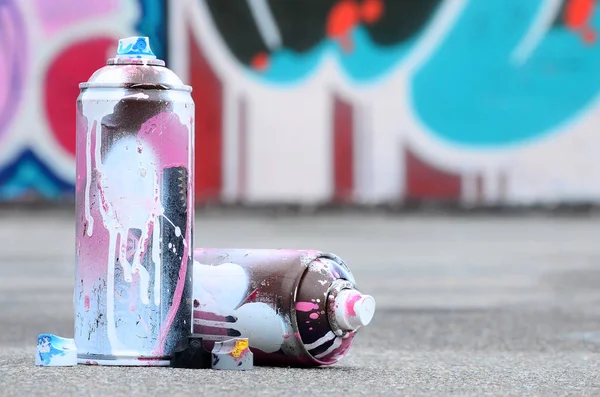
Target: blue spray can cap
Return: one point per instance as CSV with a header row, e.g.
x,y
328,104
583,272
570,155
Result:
x,y
135,47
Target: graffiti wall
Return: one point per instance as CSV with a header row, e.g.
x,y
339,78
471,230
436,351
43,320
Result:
x,y
47,47
354,101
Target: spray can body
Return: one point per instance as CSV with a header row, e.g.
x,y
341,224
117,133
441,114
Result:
x,y
284,301
134,210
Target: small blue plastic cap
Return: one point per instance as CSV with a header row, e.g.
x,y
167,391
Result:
x,y
55,351
135,47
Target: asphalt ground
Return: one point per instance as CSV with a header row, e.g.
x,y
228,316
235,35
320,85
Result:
x,y
484,305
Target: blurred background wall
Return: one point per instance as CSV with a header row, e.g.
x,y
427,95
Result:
x,y
473,102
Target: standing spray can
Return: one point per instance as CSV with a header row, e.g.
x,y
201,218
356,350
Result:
x,y
299,308
134,208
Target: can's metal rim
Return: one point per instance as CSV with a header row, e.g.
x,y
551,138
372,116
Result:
x,y
336,286
150,86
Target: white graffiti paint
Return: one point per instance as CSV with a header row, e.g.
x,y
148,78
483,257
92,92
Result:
x,y
129,180
88,181
220,290
336,343
324,339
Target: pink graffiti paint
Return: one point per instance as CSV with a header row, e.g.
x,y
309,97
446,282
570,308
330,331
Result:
x,y
13,68
173,154
350,304
314,316
56,15
306,306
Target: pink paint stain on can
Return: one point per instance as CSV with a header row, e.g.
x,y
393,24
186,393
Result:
x,y
350,304
306,306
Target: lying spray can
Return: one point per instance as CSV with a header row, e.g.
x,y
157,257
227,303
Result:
x,y
299,308
134,209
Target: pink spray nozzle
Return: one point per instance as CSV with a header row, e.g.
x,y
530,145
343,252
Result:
x,y
353,309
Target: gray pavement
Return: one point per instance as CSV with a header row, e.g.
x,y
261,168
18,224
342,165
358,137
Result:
x,y
466,306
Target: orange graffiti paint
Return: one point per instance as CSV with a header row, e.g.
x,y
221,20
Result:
x,y
260,61
577,17
348,14
343,17
371,11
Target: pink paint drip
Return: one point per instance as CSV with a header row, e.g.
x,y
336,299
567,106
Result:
x,y
306,306
314,316
350,304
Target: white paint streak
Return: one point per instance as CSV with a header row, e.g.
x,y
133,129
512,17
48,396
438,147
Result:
x,y
542,22
265,23
336,343
110,292
88,181
220,289
326,338
156,259
131,198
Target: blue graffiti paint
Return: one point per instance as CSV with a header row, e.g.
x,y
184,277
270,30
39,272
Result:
x,y
47,348
153,24
470,92
367,60
27,174
52,350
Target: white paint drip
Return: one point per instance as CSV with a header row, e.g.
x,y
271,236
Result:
x,y
220,289
326,338
336,343
109,224
177,228
143,275
88,181
156,259
128,196
110,293
125,265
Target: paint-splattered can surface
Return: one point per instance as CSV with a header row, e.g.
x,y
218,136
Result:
x,y
299,308
134,208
